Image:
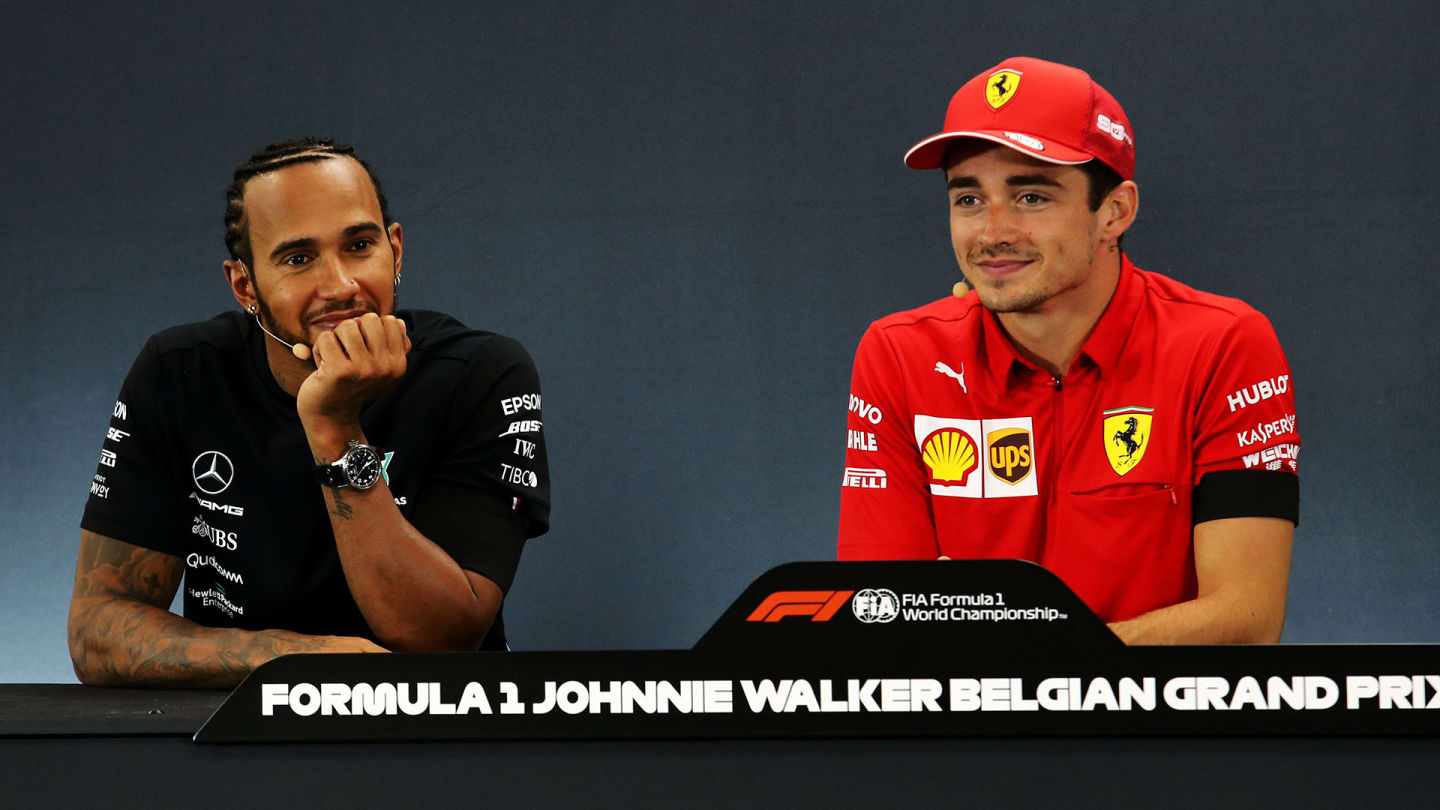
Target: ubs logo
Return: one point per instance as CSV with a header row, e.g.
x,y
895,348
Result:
x,y
212,472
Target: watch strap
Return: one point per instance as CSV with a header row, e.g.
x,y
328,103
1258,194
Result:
x,y
332,475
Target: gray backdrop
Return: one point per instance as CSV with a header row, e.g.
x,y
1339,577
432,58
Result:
x,y
689,217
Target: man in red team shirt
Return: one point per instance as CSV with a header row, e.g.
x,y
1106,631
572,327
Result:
x,y
1135,436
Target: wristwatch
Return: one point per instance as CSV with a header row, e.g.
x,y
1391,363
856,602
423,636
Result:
x,y
359,467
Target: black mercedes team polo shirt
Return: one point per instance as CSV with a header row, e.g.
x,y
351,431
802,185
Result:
x,y
205,458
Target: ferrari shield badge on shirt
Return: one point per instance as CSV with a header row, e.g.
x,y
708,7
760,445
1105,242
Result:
x,y
1127,433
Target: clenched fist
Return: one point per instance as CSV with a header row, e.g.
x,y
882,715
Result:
x,y
355,362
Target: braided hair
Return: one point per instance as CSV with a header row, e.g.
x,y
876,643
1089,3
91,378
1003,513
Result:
x,y
278,156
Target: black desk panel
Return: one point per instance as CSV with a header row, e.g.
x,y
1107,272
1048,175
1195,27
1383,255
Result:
x,y
74,746
829,774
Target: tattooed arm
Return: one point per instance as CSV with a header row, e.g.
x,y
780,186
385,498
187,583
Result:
x,y
122,632
413,595
411,592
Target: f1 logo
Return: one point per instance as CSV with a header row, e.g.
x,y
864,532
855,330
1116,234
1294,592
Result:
x,y
818,605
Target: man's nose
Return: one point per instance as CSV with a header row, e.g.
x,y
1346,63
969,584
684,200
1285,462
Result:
x,y
335,279
1000,226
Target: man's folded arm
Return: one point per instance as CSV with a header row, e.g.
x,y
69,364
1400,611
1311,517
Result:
x,y
122,633
1242,573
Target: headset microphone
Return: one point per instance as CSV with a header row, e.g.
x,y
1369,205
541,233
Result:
x,y
300,350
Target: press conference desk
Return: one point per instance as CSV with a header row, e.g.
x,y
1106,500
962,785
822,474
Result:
x,y
816,688
70,745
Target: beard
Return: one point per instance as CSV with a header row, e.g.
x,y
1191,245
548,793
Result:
x,y
1001,301
1012,295
267,318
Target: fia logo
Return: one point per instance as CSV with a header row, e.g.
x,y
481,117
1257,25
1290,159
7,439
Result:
x,y
874,605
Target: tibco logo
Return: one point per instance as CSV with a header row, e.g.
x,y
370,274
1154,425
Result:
x,y
818,605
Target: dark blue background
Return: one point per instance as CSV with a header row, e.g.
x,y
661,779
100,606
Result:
x,y
689,217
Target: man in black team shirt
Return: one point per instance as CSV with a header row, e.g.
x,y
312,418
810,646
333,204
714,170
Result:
x,y
374,496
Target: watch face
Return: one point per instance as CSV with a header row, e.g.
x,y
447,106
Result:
x,y
362,467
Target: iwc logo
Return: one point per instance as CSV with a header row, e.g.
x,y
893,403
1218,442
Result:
x,y
212,472
874,605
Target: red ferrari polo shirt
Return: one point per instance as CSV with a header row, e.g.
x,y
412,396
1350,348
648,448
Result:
x,y
1179,409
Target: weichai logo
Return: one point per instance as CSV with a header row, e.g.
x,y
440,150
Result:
x,y
818,605
1010,454
950,455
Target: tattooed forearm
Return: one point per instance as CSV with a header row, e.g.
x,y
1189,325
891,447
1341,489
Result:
x,y
342,509
121,632
126,642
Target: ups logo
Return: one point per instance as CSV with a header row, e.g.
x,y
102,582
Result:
x,y
1010,454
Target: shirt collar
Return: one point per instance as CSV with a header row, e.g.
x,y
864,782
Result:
x,y
1102,348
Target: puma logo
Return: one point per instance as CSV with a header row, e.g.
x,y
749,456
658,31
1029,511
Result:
x,y
950,372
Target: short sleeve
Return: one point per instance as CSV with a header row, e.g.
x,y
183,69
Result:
x,y
491,491
133,492
884,494
1247,449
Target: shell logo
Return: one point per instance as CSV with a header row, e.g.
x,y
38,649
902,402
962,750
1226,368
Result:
x,y
950,455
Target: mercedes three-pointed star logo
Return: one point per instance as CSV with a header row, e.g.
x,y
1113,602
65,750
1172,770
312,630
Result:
x,y
212,472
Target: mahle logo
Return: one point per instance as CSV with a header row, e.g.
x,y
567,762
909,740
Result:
x,y
875,605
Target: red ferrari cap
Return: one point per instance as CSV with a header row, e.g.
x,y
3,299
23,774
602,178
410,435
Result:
x,y
1046,110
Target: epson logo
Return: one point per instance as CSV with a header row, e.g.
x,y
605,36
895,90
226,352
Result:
x,y
524,402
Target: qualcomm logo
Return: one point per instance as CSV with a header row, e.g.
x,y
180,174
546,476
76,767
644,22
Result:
x,y
875,605
212,472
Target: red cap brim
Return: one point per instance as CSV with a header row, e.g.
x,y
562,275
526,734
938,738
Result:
x,y
930,153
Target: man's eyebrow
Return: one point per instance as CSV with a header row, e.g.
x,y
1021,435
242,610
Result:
x,y
292,244
309,242
363,227
966,181
1032,180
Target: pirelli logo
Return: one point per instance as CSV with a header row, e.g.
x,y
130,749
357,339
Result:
x,y
818,605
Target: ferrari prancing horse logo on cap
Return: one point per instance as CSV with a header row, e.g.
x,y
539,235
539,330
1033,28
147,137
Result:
x,y
1127,434
1000,87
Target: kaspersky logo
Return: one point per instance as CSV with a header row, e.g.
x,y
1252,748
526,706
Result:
x,y
818,605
